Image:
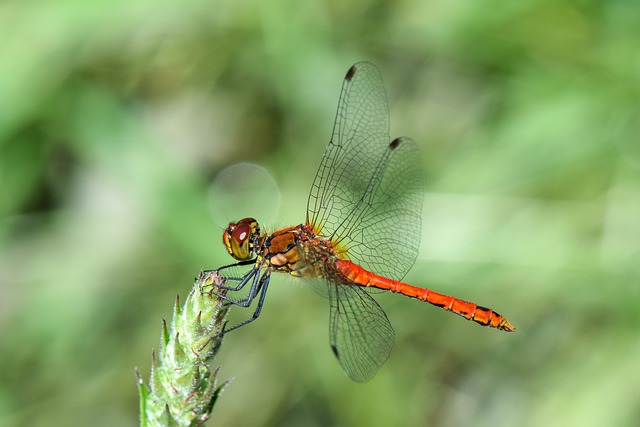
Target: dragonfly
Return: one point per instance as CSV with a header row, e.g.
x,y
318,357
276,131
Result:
x,y
360,235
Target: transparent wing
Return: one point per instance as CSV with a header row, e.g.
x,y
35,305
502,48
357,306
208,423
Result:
x,y
360,135
367,193
360,333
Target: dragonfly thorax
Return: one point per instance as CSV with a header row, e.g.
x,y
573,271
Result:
x,y
241,238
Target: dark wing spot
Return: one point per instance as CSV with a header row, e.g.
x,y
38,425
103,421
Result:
x,y
350,73
333,347
395,143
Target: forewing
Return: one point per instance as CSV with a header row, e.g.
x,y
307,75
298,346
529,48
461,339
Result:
x,y
360,136
367,194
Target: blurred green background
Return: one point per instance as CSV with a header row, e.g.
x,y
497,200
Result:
x,y
116,118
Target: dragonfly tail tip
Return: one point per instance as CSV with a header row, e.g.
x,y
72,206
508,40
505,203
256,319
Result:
x,y
507,326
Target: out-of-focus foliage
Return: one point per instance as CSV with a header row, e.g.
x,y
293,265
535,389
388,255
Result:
x,y
116,117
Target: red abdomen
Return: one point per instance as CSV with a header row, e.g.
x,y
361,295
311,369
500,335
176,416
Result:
x,y
354,274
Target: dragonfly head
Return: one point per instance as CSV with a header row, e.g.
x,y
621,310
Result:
x,y
241,238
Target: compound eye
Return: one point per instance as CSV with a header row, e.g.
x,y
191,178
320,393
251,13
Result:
x,y
237,238
241,233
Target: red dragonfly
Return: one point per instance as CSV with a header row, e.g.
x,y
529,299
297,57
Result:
x,y
360,233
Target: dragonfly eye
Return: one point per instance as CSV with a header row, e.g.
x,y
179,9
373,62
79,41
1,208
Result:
x,y
239,238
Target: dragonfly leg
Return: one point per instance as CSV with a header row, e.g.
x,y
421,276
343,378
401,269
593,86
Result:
x,y
262,288
256,286
235,264
256,283
242,282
